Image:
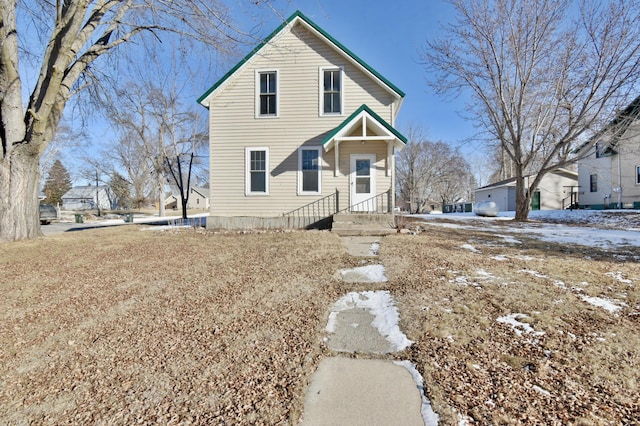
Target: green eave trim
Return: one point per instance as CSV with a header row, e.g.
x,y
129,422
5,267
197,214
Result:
x,y
353,56
300,15
375,116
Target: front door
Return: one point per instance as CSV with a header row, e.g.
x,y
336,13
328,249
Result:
x,y
363,182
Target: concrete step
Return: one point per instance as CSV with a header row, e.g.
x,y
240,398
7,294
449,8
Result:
x,y
364,217
363,224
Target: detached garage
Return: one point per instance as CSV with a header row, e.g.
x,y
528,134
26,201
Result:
x,y
553,193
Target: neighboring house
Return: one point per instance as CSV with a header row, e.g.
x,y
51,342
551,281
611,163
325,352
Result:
x,y
89,198
553,192
300,121
609,173
172,201
198,198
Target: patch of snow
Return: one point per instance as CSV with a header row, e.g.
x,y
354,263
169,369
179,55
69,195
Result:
x,y
465,420
372,273
470,248
590,231
429,416
331,323
509,239
380,305
541,390
499,257
519,327
607,304
560,283
619,276
532,272
165,228
481,273
375,248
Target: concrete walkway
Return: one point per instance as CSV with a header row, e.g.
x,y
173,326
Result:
x,y
348,391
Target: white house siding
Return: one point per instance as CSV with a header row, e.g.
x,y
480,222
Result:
x,y
554,188
503,196
613,171
297,56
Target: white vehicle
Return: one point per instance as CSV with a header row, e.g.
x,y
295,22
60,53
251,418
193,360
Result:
x,y
486,208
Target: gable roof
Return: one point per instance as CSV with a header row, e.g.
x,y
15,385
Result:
x,y
511,182
619,124
285,27
363,116
84,191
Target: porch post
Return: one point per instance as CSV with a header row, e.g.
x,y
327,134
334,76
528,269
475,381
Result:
x,y
391,169
336,153
389,158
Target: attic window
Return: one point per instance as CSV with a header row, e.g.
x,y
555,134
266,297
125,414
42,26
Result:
x,y
331,91
267,96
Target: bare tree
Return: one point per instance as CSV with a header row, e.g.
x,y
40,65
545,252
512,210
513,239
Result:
x,y
156,130
429,171
75,34
544,75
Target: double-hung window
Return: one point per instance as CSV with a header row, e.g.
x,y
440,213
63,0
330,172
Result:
x,y
593,183
257,171
309,170
267,96
331,91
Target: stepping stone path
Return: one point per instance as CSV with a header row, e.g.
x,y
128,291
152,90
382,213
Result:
x,y
348,391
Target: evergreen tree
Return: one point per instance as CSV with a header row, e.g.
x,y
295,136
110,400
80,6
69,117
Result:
x,y
57,184
122,190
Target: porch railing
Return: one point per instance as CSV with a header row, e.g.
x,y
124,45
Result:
x,y
314,214
381,203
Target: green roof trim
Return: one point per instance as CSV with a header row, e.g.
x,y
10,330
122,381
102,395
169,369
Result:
x,y
266,41
369,111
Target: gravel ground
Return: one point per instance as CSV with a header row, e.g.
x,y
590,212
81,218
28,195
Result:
x,y
120,326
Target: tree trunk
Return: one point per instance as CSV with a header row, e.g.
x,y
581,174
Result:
x,y
523,199
19,181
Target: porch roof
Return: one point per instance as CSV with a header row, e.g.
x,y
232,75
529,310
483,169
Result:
x,y
362,125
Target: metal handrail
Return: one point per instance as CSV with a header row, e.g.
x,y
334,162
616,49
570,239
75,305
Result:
x,y
314,212
380,203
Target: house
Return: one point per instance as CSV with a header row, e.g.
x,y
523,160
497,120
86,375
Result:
x,y
609,170
553,193
198,198
89,198
172,201
301,127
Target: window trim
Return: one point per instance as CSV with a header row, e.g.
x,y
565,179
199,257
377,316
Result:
x,y
247,171
310,148
258,73
321,91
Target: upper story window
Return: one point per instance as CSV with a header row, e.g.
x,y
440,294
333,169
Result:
x,y
331,88
309,170
638,175
257,171
267,96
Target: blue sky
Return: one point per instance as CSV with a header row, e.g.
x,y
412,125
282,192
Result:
x,y
389,36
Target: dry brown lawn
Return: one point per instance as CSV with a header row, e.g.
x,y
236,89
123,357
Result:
x,y
121,326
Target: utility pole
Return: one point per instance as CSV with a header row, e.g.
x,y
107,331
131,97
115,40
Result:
x,y
97,193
